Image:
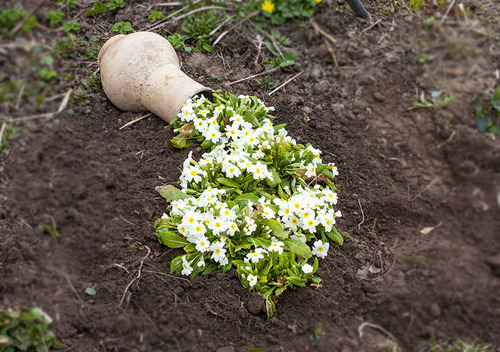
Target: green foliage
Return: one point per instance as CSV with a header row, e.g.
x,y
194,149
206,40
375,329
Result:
x,y
71,26
278,60
115,4
198,27
90,291
287,9
26,331
178,41
100,7
439,100
93,81
488,113
47,74
10,18
122,27
9,130
316,335
97,7
72,4
156,16
417,5
425,59
55,17
459,346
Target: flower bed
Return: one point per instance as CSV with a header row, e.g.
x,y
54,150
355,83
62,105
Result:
x,y
257,201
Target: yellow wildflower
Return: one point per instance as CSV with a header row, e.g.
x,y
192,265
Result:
x,y
317,1
268,6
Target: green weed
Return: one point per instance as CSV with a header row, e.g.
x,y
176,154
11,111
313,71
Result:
x,y
199,27
122,27
71,26
55,17
178,41
100,7
459,346
8,130
425,59
417,5
439,100
26,331
279,59
156,16
488,113
317,334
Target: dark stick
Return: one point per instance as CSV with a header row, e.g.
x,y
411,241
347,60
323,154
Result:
x,y
359,9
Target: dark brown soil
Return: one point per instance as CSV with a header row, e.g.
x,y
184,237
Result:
x,y
400,172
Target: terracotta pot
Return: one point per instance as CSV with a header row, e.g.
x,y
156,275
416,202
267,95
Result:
x,y
140,71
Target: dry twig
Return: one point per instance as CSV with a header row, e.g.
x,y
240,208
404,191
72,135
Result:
x,y
254,76
288,81
362,214
136,120
370,26
135,278
318,30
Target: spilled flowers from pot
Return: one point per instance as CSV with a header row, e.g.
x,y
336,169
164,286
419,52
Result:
x,y
257,200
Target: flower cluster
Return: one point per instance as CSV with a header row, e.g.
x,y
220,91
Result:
x,y
257,200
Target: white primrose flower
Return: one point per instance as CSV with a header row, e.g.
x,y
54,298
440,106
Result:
x,y
307,268
268,213
334,170
186,268
218,226
201,263
320,249
213,134
236,120
203,112
258,170
232,171
203,244
200,124
165,216
299,237
256,256
276,246
232,228
193,174
310,225
219,253
328,220
252,280
233,131
291,222
187,114
228,214
218,110
311,170
330,196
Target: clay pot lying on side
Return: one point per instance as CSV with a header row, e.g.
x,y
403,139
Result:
x,y
140,71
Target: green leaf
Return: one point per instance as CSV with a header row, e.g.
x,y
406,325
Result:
x,y
276,228
334,235
176,264
315,265
172,239
227,182
171,193
210,267
243,200
296,280
90,291
299,248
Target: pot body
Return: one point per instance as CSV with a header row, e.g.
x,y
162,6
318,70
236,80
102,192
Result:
x,y
140,71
